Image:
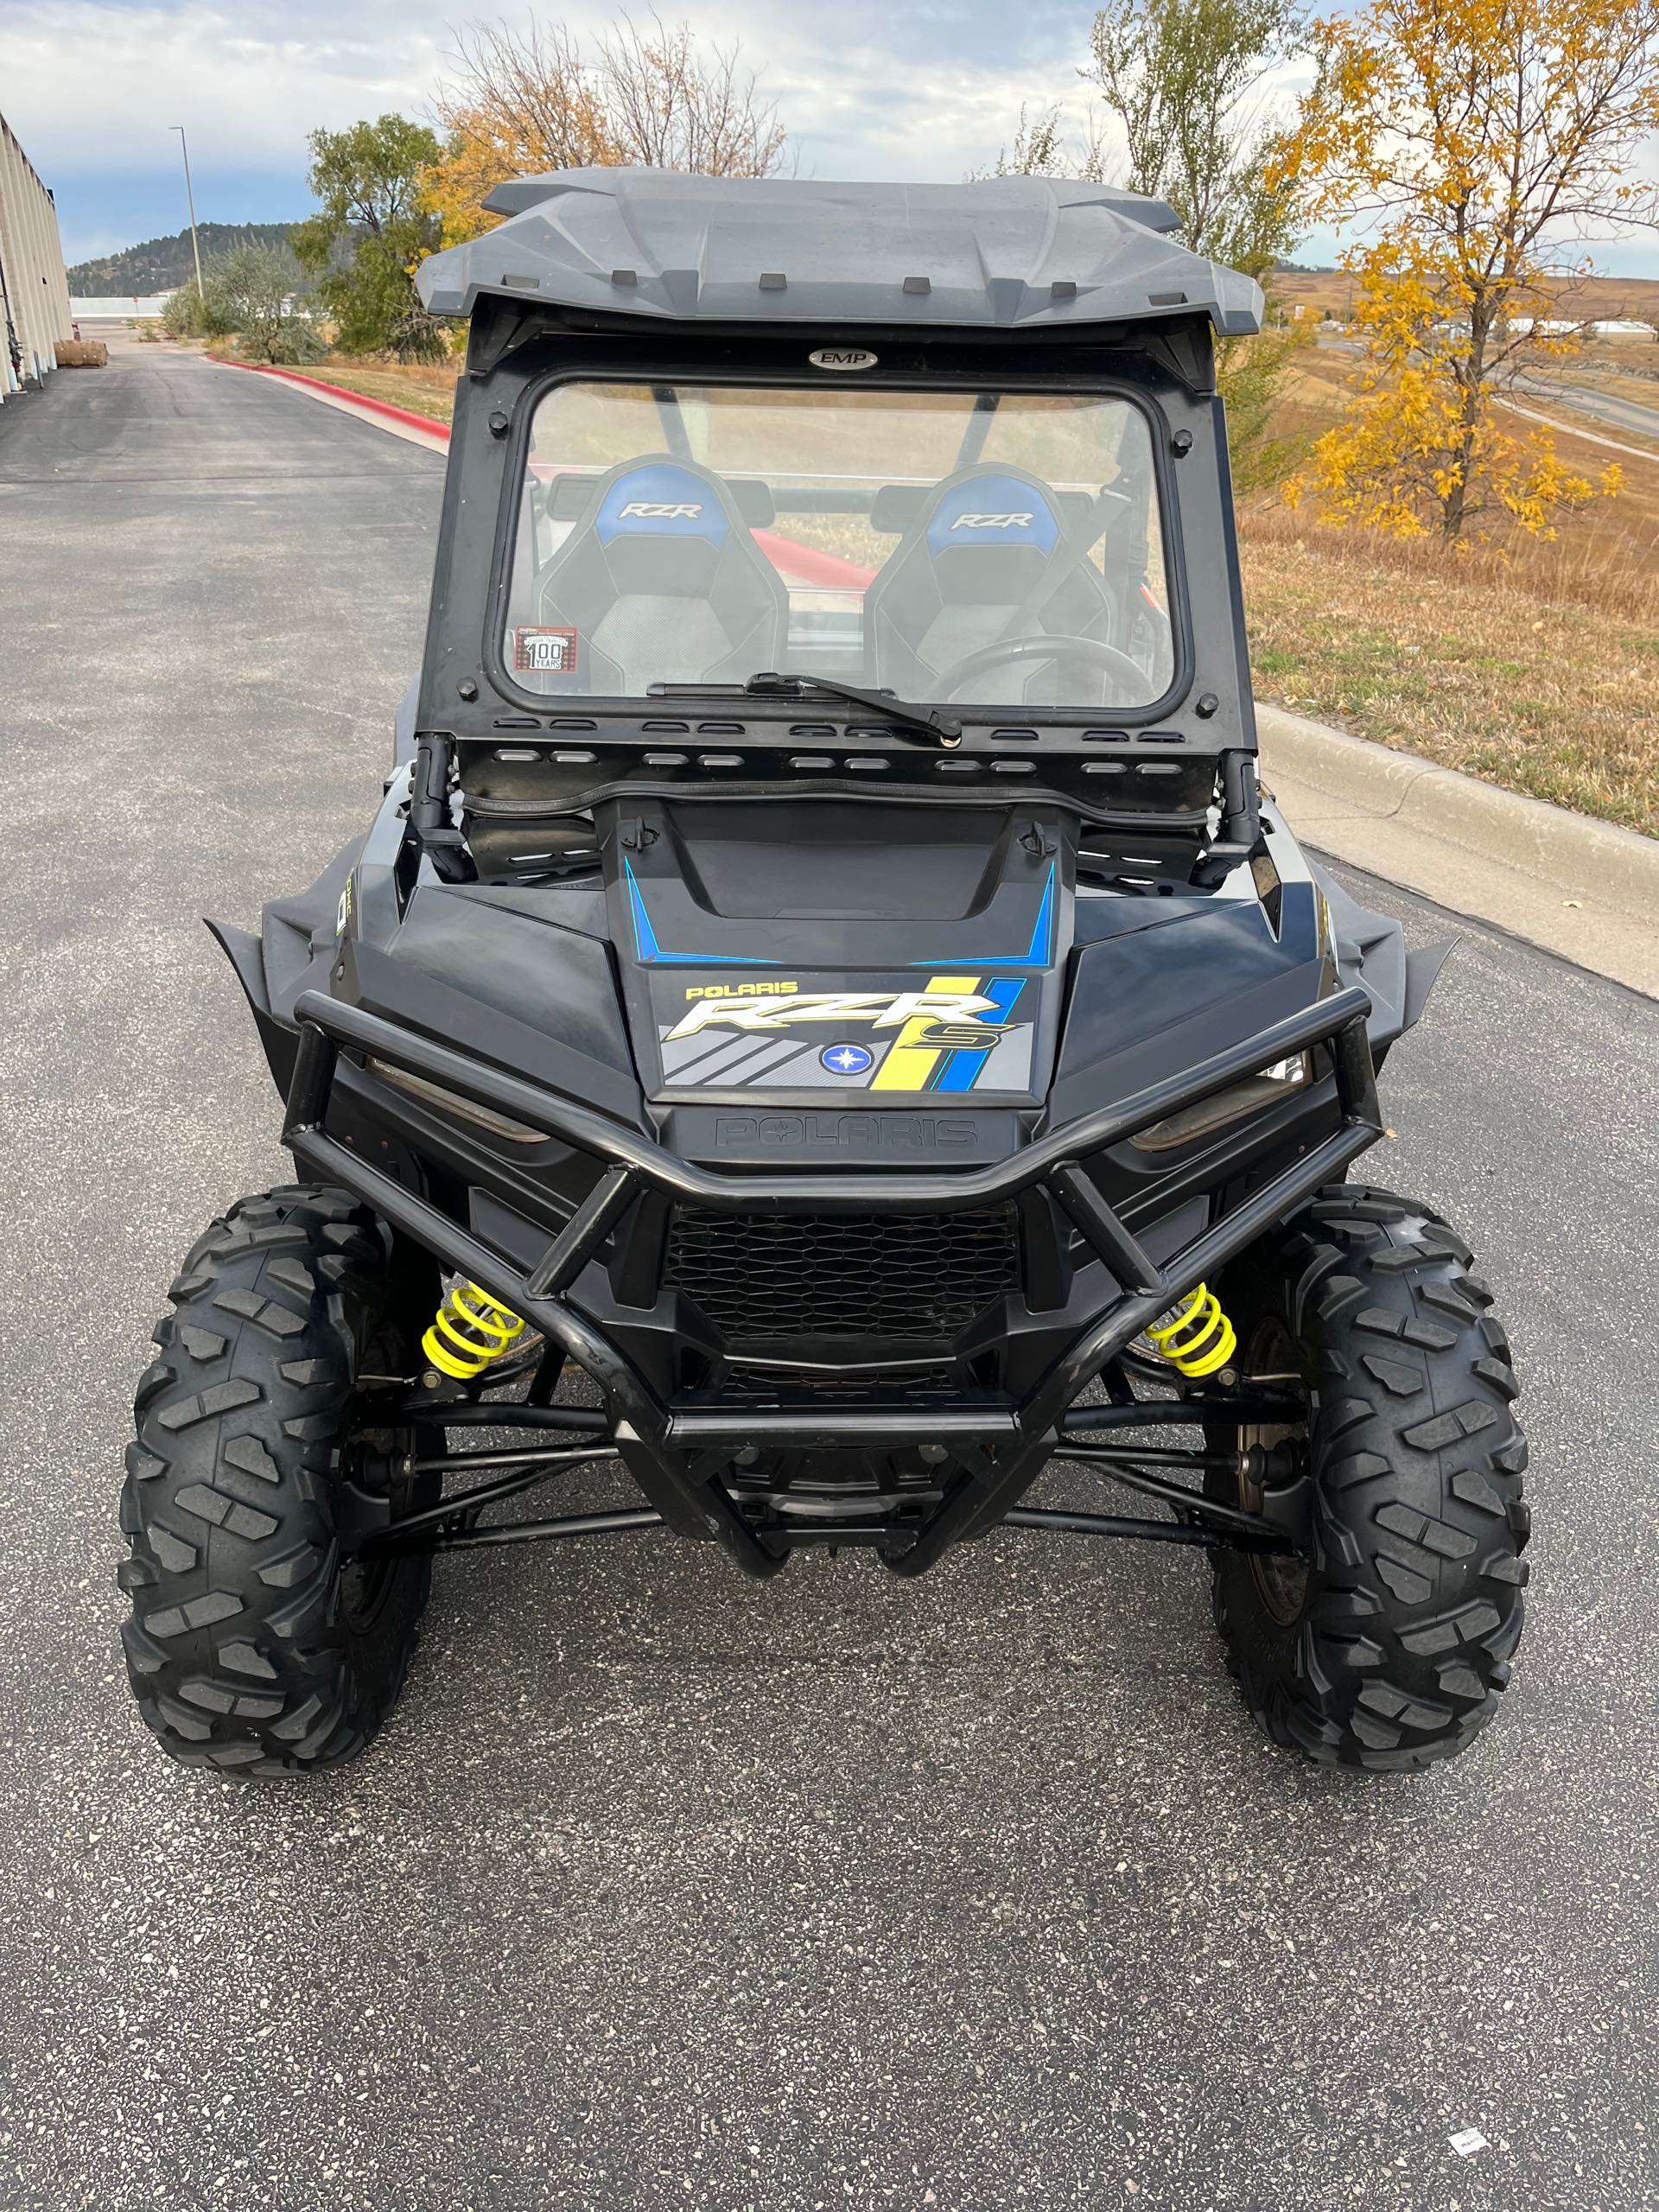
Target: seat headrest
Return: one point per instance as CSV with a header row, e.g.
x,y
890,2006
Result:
x,y
664,484
993,510
896,506
662,499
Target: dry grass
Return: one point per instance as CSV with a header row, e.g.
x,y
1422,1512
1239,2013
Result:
x,y
1533,665
424,390
1540,673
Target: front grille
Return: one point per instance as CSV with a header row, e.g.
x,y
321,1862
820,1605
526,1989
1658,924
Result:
x,y
899,1277
880,1386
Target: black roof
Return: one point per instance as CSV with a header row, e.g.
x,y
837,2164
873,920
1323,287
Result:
x,y
1013,252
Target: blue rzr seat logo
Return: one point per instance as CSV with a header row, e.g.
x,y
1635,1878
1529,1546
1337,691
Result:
x,y
993,510
661,499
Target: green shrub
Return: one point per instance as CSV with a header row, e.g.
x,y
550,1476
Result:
x,y
257,292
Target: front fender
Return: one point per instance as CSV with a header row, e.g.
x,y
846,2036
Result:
x,y
245,952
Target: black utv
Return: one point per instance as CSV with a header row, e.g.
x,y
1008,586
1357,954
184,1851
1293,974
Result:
x,y
825,1014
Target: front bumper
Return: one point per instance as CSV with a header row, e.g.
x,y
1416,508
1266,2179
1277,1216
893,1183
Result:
x,y
998,1450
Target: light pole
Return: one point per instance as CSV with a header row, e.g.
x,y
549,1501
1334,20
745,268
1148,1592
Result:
x,y
189,202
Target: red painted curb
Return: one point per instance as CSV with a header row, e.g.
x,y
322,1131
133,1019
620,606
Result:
x,y
810,565
827,570
403,415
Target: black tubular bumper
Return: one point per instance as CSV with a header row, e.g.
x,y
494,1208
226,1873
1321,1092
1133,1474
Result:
x,y
1000,1452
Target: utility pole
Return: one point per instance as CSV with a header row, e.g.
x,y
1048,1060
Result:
x,y
189,202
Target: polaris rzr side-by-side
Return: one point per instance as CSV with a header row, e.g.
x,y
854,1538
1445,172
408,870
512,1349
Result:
x,y
825,1014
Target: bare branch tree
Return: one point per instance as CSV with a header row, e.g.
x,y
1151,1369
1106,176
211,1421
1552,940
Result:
x,y
522,101
674,107
530,91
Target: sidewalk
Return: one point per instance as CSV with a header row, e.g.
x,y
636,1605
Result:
x,y
1579,887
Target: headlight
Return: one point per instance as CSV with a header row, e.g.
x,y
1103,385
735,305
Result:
x,y
464,1109
1249,1096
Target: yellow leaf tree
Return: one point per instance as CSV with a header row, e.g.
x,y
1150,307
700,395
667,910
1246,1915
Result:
x,y
522,103
1473,141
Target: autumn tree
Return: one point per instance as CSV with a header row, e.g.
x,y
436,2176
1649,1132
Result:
x,y
1180,83
371,233
1478,140
1184,78
522,102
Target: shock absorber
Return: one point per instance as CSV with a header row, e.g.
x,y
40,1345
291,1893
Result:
x,y
1195,1335
469,1330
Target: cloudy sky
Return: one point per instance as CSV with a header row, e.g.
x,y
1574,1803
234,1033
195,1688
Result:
x,y
867,88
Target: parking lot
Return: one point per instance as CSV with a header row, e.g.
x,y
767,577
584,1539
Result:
x,y
663,1888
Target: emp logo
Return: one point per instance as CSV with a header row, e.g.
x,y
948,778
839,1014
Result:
x,y
992,522
660,510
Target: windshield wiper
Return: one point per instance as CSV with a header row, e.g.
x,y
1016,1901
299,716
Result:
x,y
943,729
918,723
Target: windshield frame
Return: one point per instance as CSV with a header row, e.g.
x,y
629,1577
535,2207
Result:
x,y
1005,379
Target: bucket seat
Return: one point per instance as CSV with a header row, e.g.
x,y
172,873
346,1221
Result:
x,y
990,554
662,581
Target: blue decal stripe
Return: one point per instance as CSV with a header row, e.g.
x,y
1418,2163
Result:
x,y
1037,953
650,954
963,1070
645,938
1040,951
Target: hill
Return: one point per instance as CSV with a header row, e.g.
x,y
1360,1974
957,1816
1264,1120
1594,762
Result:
x,y
160,264
1330,291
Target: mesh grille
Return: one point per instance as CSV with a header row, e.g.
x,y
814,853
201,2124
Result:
x,y
905,1278
767,1386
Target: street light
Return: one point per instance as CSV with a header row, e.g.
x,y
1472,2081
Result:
x,y
190,201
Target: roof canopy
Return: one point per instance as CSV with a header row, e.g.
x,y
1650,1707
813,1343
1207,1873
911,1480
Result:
x,y
1014,252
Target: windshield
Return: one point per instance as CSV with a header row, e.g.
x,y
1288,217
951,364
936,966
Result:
x,y
1002,548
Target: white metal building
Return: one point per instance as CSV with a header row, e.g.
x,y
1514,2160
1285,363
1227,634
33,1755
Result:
x,y
34,291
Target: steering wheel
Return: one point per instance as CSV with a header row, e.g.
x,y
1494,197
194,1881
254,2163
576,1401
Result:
x,y
1090,651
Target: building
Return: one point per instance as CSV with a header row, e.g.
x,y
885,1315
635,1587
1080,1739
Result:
x,y
34,291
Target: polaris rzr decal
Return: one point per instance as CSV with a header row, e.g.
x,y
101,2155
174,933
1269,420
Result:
x,y
540,650
953,1035
941,1002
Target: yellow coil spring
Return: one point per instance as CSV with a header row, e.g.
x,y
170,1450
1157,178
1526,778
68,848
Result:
x,y
1195,1337
469,1330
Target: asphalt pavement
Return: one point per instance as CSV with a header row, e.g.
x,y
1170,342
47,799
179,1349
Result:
x,y
1609,407
664,1888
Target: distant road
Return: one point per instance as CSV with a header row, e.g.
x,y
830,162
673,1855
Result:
x,y
1578,399
1605,406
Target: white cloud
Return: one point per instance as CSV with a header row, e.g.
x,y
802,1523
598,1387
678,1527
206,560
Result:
x,y
869,88
91,85
866,90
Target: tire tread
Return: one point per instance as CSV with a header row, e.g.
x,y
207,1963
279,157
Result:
x,y
1418,1517
237,1651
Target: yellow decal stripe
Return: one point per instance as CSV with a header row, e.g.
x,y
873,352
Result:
x,y
909,1064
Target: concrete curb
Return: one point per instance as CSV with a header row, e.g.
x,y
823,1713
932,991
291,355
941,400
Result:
x,y
1591,858
1583,888
403,422
363,400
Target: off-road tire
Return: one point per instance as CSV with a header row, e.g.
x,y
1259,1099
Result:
x,y
249,1648
1412,1606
